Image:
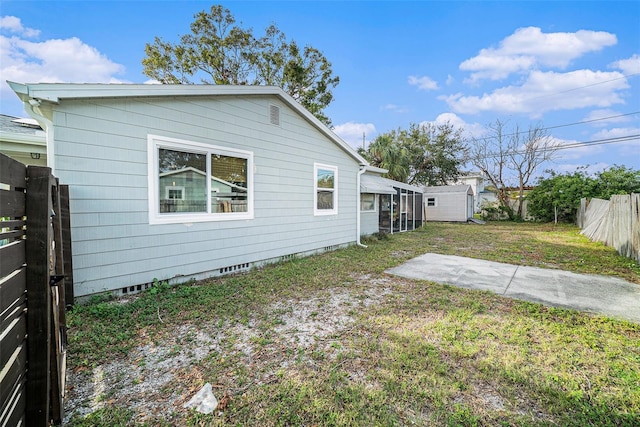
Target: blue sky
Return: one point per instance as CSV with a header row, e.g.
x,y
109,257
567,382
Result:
x,y
573,67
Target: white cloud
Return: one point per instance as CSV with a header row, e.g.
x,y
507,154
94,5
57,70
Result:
x,y
55,61
13,25
529,48
606,117
469,130
628,66
619,133
51,61
423,83
353,133
547,91
578,149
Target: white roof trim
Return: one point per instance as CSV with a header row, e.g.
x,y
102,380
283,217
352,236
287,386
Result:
x,y
56,92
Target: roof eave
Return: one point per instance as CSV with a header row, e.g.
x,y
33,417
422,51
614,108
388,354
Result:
x,y
54,92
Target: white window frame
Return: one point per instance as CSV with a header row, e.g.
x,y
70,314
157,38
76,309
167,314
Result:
x,y
334,169
375,203
157,142
435,202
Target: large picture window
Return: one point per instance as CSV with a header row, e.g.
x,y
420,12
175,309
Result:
x,y
191,182
326,189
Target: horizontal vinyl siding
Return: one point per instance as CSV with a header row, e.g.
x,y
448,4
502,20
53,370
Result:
x,y
101,153
369,223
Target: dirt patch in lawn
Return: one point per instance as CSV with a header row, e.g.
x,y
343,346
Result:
x,y
157,377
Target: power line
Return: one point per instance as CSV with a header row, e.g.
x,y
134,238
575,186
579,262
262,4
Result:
x,y
592,120
573,145
562,125
582,87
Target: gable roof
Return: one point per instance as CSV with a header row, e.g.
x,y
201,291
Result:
x,y
203,174
36,93
448,189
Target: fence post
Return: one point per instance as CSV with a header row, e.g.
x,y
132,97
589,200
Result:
x,y
38,255
65,216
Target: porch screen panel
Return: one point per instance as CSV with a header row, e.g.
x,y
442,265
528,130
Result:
x,y
410,209
419,210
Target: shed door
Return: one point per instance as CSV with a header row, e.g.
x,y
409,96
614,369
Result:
x,y
469,205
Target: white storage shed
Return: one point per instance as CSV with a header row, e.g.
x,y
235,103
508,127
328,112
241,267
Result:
x,y
448,203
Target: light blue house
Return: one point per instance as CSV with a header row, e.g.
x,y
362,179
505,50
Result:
x,y
190,181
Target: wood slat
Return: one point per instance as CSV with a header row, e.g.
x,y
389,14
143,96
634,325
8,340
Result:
x,y
12,223
12,257
11,235
12,204
12,288
13,337
12,172
66,245
15,406
15,374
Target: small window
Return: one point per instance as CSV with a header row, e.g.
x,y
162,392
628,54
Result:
x,y
326,189
367,202
174,193
431,201
191,182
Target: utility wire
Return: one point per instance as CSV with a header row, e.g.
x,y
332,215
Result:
x,y
485,138
581,87
572,90
573,145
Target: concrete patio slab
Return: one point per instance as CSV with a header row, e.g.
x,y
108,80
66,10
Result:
x,y
596,294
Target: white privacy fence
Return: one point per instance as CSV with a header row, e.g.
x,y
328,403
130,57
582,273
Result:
x,y
614,222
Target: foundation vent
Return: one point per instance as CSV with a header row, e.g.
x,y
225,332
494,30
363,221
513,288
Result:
x,y
233,268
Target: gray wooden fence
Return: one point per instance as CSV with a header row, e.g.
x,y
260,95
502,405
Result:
x,y
35,254
614,222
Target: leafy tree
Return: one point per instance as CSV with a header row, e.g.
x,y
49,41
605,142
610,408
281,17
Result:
x,y
424,154
386,152
560,194
510,158
617,180
217,51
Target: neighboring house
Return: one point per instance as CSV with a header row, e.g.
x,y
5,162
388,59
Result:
x,y
181,190
388,206
190,181
482,194
23,140
448,203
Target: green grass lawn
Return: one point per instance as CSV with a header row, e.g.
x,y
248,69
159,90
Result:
x,y
332,340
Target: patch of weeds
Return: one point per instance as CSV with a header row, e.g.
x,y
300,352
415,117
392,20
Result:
x,y
422,355
462,416
109,416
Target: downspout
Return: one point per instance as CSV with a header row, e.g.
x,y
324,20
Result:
x,y
32,107
360,172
